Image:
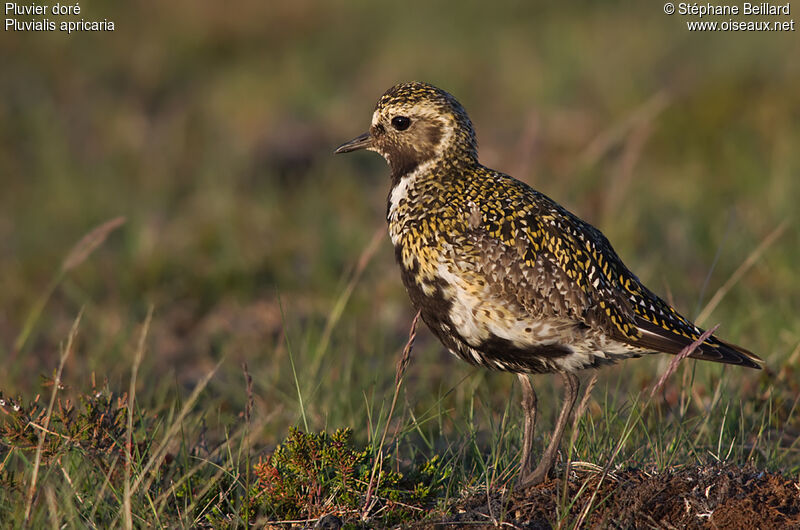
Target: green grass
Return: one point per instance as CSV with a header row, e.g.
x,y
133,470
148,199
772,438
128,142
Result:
x,y
211,131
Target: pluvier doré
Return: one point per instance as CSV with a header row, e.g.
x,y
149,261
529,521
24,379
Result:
x,y
505,277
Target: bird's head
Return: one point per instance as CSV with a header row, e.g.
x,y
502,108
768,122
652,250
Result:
x,y
414,123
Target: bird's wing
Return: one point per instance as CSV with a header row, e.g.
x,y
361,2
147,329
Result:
x,y
552,263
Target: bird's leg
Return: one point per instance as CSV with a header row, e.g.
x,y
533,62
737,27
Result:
x,y
529,408
572,385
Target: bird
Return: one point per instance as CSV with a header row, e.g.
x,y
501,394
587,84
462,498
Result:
x,y
504,276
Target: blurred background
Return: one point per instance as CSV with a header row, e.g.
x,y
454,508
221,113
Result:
x,y
211,126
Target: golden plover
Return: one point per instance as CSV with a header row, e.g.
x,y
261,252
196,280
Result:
x,y
503,275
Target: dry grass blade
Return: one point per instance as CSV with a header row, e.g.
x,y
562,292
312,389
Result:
x,y
687,351
738,273
71,484
75,257
201,496
96,504
589,506
405,359
627,429
402,364
137,361
621,179
52,507
612,136
245,446
248,380
581,410
341,302
211,459
89,243
684,353
43,432
160,452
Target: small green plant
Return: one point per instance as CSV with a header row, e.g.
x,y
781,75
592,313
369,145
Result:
x,y
95,425
312,474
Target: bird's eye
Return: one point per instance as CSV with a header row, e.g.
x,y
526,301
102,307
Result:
x,y
401,123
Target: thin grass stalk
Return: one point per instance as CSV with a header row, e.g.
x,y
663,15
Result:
x,y
377,466
43,432
71,484
245,445
177,484
98,498
294,370
52,507
684,353
751,260
614,134
158,454
628,428
79,253
137,361
581,410
341,302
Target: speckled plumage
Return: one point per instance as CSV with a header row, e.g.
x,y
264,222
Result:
x,y
505,277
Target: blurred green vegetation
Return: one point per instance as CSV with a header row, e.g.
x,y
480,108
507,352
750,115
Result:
x,y
211,126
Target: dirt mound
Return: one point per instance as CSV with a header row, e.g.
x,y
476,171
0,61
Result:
x,y
699,497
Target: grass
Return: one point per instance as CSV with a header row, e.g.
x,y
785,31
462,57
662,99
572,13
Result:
x,y
111,461
246,242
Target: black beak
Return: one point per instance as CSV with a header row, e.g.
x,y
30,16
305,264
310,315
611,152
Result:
x,y
359,142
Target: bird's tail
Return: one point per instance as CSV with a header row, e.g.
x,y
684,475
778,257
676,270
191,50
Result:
x,y
721,351
657,338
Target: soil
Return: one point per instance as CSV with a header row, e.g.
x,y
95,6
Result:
x,y
721,497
